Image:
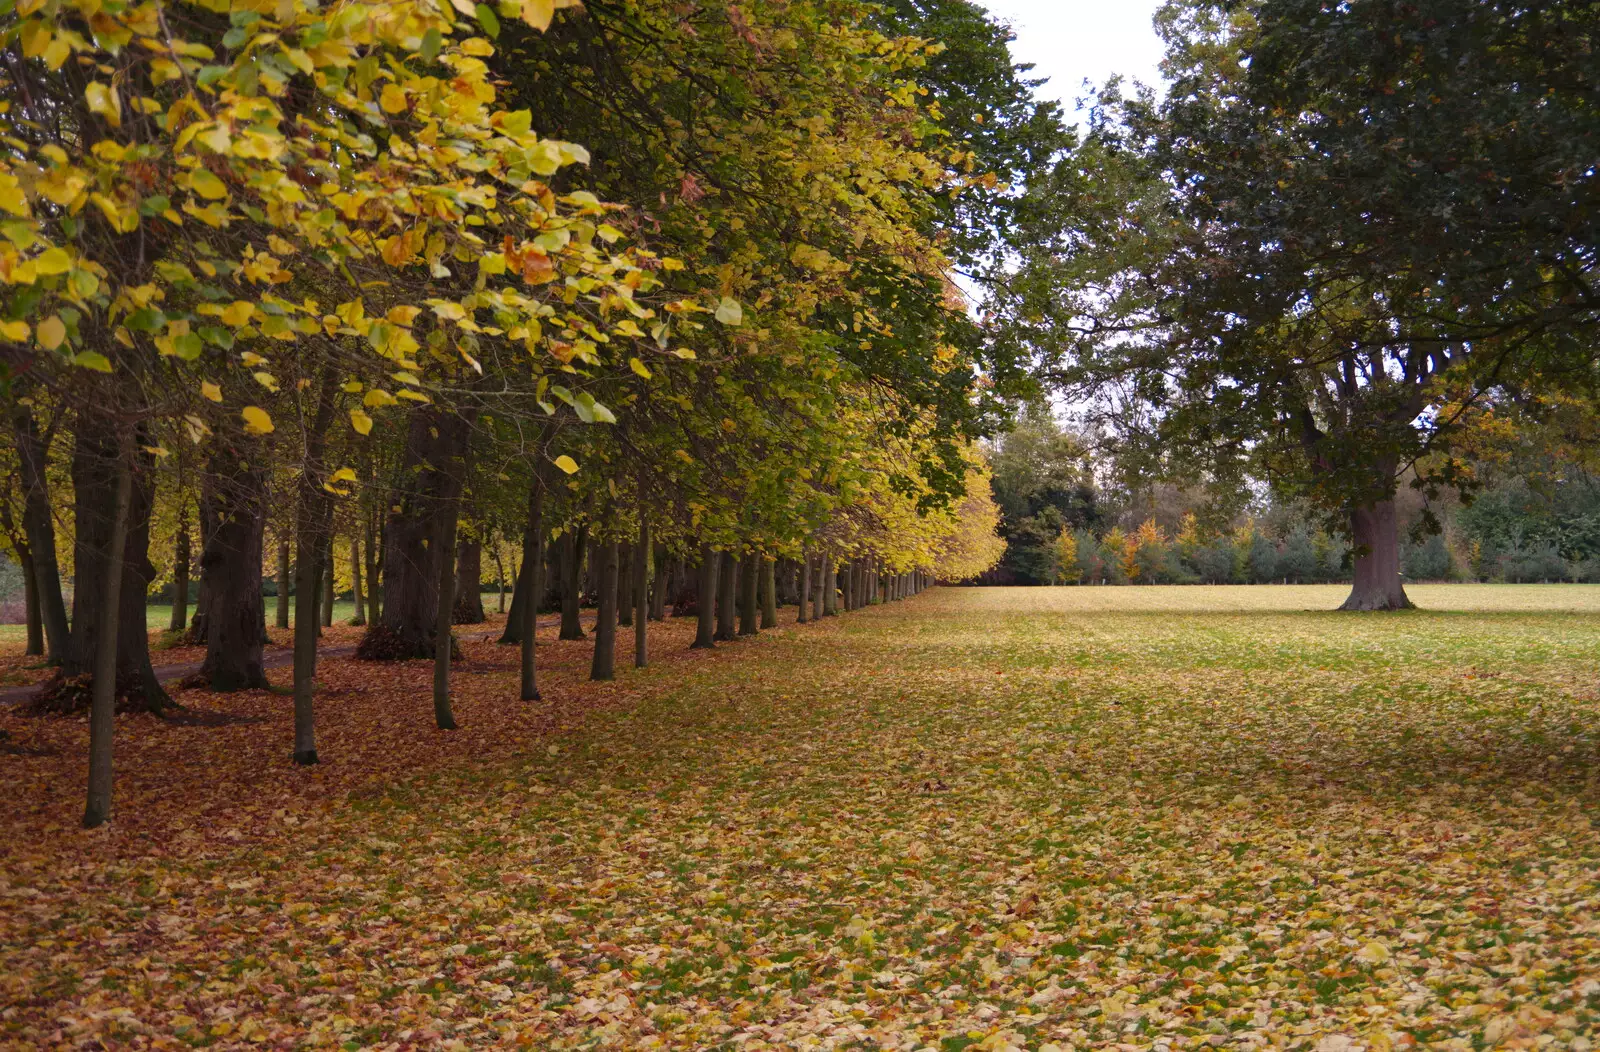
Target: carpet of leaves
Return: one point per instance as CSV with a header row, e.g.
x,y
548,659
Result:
x,y
1132,818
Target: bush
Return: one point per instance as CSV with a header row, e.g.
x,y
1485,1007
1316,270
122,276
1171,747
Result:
x,y
1428,561
1298,560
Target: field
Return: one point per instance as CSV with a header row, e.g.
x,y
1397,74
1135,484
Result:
x,y
983,818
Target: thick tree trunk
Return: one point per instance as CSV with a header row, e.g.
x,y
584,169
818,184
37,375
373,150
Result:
x,y
819,582
233,502
469,583
769,594
436,446
282,614
522,597
727,590
830,589
30,602
1375,540
199,622
313,515
805,589
445,542
624,585
39,527
749,598
103,703
356,591
605,630
641,595
95,464
533,571
180,571
706,599
572,546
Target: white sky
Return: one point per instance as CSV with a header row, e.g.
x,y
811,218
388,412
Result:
x,y
1068,40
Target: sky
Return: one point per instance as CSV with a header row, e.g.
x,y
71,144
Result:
x,y
1068,40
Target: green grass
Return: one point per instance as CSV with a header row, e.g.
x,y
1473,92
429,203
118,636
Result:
x,y
986,818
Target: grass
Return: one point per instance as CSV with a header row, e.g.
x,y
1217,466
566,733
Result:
x,y
982,819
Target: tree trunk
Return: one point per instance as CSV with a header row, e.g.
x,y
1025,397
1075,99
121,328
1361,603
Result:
x,y
706,600
727,590
530,583
749,582
327,581
769,594
445,542
233,502
830,588
658,595
641,595
313,510
1375,543
819,605
356,591
436,446
499,574
368,528
624,585
572,583
805,588
605,630
39,527
469,583
30,601
103,703
180,571
95,465
284,587
521,590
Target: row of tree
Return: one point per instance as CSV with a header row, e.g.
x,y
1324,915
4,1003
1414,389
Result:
x,y
346,271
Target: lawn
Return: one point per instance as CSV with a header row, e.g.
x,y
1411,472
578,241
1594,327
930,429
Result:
x,y
983,818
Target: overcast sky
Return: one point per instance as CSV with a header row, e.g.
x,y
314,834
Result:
x,y
1068,40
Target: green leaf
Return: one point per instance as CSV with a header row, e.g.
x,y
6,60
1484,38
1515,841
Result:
x,y
729,312
487,19
92,360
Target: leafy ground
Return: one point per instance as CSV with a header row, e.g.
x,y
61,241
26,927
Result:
x,y
1119,817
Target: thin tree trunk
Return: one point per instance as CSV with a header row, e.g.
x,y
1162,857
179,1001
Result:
x,y
769,594
706,600
749,582
663,574
374,586
605,631
532,572
180,571
624,585
30,600
805,587
282,617
311,512
446,542
39,527
819,603
727,585
103,702
499,573
1375,542
641,595
357,593
327,582
522,596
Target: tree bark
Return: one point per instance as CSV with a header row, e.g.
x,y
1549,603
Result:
x,y
313,511
830,588
605,630
445,542
499,574
95,466
1375,541
327,582
727,590
769,593
572,547
805,588
233,502
369,529
706,600
663,575
103,703
641,595
819,604
436,446
180,571
30,601
529,583
284,587
749,582
469,583
39,527
356,591
624,585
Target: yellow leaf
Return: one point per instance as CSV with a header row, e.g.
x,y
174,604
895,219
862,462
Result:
x,y
343,475
566,463
105,102
202,182
52,261
361,421
393,99
639,367
51,332
538,13
238,313
12,198
211,391
15,331
378,396
256,420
